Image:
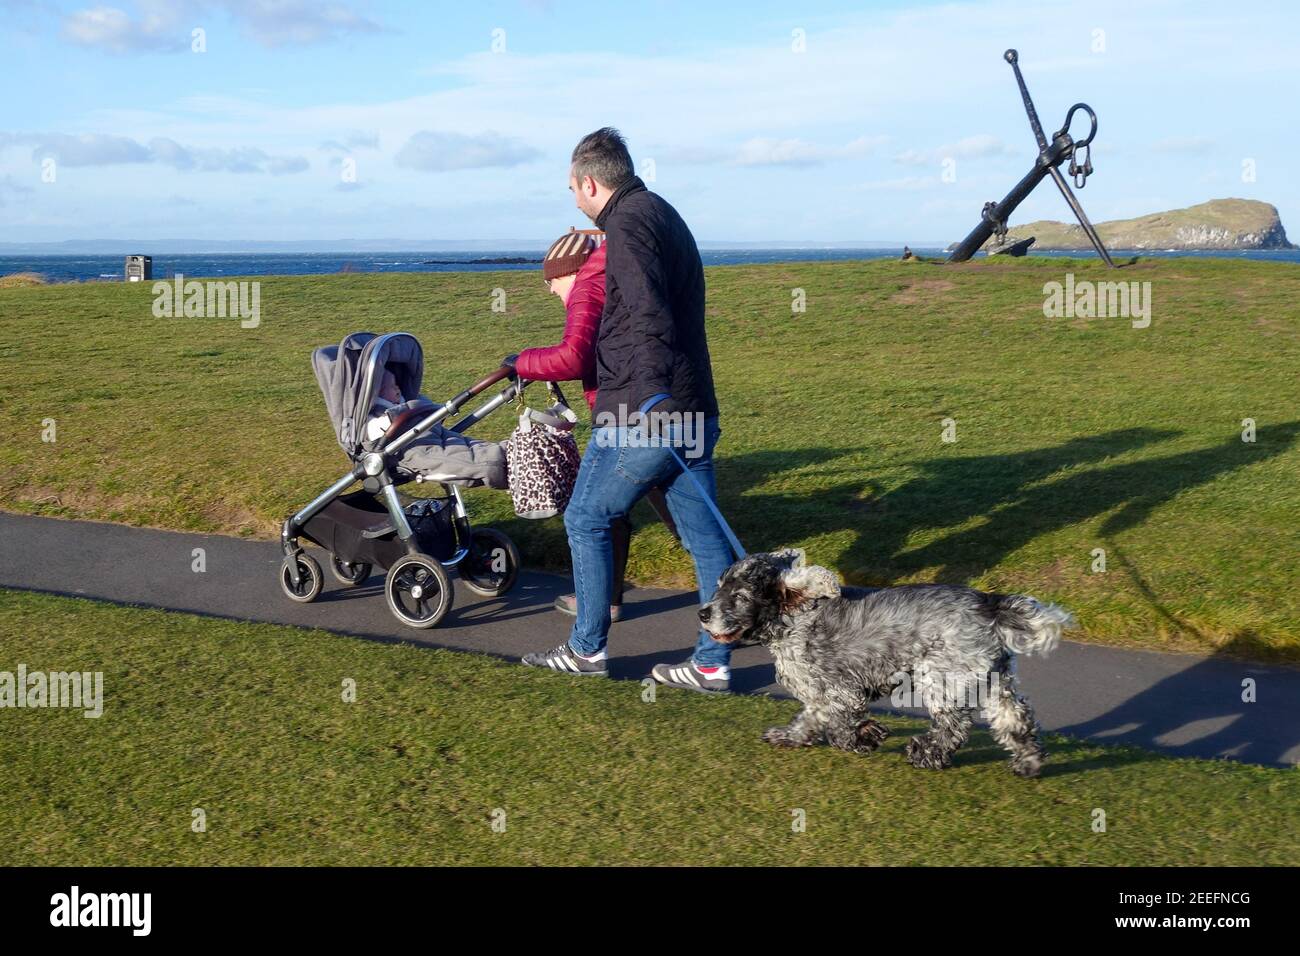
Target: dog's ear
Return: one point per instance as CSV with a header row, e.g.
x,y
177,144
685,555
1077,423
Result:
x,y
803,583
791,557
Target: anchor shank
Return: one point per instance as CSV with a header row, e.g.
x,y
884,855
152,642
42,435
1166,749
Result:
x,y
1014,59
980,234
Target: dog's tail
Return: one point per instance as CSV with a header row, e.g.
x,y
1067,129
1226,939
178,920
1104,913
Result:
x,y
1028,626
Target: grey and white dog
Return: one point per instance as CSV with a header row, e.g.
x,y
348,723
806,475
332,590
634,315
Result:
x,y
839,648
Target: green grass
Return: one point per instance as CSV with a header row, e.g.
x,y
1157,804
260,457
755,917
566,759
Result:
x,y
248,723
1072,435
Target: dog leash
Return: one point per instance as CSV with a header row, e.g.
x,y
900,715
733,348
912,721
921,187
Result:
x,y
708,500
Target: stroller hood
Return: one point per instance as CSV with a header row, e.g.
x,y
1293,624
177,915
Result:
x,y
351,373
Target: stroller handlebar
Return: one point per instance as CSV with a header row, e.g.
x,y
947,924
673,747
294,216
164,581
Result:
x,y
504,372
508,394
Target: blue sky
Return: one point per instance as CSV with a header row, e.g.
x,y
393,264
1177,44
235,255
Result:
x,y
359,119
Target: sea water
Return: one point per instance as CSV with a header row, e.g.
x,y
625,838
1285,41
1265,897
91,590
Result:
x,y
83,268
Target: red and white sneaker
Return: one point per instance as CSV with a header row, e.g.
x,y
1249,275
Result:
x,y
690,676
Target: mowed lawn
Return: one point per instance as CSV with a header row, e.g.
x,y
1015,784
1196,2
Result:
x,y
450,758
1077,440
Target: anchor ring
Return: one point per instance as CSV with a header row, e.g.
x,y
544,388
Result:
x,y
1069,118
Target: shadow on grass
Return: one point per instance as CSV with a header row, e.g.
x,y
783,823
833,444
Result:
x,y
1007,490
1065,755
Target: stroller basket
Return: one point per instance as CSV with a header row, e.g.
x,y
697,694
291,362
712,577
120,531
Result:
x,y
358,528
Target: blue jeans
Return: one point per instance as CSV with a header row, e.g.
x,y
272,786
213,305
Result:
x,y
619,467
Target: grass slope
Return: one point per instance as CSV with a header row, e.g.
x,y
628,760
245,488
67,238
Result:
x,y
247,722
1072,434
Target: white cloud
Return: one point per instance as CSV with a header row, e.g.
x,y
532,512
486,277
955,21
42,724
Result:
x,y
297,22
350,142
100,149
764,151
163,26
972,147
285,165
90,149
241,159
435,151
113,30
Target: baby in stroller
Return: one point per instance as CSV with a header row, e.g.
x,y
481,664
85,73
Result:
x,y
438,455
388,405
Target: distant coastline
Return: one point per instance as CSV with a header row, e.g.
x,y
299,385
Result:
x,y
110,268
484,261
68,267
430,247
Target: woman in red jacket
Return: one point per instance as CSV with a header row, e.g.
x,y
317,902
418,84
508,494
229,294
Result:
x,y
574,270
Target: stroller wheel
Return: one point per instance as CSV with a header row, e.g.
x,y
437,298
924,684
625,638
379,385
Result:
x,y
310,579
418,591
349,574
492,564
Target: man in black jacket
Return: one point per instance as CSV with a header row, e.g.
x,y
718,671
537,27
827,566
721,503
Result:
x,y
655,421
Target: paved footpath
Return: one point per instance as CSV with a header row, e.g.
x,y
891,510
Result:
x,y
1176,703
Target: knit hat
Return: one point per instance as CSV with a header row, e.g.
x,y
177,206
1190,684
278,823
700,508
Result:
x,y
567,254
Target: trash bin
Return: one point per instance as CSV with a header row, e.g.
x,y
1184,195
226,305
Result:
x,y
139,268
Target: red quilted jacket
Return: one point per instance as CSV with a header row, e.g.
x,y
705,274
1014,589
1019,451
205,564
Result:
x,y
575,356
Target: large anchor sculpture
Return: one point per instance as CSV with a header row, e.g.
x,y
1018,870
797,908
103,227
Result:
x,y
993,218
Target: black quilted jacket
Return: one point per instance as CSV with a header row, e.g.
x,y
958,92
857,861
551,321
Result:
x,y
651,337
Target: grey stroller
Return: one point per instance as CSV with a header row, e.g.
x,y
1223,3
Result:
x,y
417,540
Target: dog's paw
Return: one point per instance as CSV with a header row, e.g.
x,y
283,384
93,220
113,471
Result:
x,y
1027,765
871,734
924,755
780,737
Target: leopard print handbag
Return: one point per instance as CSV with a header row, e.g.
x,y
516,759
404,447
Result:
x,y
542,461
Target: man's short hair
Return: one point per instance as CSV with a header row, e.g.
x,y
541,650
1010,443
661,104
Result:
x,y
603,156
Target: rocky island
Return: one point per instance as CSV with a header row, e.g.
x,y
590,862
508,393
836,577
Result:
x,y
1217,224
